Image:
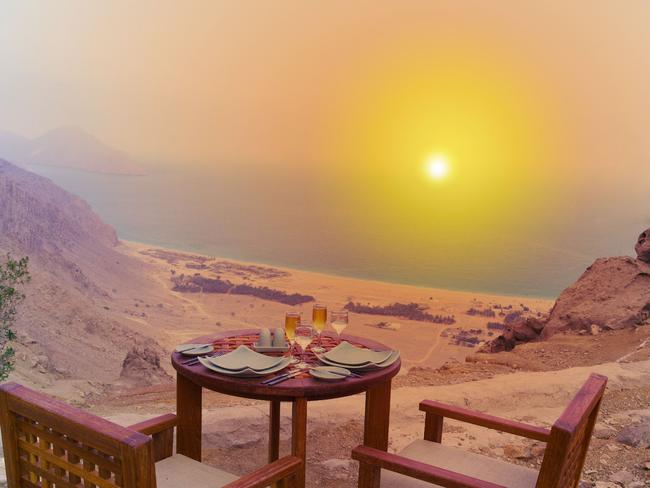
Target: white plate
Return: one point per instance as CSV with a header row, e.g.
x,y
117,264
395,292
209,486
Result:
x,y
246,373
346,353
245,358
194,349
394,356
329,373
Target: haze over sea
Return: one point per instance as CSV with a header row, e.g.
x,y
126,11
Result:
x,y
287,218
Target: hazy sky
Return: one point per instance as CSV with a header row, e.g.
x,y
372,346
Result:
x,y
301,81
542,109
528,99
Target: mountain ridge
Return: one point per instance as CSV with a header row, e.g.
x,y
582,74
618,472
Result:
x,y
67,147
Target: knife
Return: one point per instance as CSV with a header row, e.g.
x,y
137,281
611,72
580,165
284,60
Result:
x,y
282,378
269,380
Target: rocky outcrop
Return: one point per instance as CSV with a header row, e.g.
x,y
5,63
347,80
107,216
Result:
x,y
613,293
141,366
523,330
642,246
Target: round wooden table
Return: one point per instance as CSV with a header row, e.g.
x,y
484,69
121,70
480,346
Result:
x,y
192,379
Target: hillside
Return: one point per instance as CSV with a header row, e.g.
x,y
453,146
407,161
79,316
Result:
x,y
67,147
66,329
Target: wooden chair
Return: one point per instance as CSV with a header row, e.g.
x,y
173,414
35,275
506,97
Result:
x,y
48,444
427,463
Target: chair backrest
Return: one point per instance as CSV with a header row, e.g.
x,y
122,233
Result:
x,y
570,435
48,444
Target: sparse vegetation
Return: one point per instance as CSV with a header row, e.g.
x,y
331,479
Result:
x,y
495,326
201,284
410,311
12,273
485,312
512,317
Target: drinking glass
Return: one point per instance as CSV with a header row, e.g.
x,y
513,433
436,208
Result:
x,y
304,336
339,321
291,321
319,319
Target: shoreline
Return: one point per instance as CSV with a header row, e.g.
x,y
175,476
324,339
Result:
x,y
504,296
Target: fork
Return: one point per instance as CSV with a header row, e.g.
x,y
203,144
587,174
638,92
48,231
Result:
x,y
195,360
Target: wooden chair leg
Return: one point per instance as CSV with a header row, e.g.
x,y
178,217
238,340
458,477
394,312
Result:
x,y
299,436
433,427
163,444
369,476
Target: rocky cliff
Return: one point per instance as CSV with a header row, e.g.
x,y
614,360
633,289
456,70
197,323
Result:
x,y
613,293
69,325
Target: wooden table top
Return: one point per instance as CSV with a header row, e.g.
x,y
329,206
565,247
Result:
x,y
301,386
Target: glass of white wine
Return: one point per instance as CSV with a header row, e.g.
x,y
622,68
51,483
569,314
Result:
x,y
339,321
291,321
304,336
319,319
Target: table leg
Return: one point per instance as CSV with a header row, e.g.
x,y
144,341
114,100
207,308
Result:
x,y
299,436
188,412
274,437
274,431
375,431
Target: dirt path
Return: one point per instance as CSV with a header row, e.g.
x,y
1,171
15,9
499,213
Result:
x,y
196,305
427,355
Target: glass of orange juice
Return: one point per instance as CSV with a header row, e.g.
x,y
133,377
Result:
x,y
291,321
319,321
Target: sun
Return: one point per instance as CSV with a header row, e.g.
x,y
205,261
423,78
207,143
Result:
x,y
437,167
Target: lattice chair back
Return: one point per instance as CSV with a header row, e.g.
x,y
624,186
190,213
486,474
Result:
x,y
570,435
50,444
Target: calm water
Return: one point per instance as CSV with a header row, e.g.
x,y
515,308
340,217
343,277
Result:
x,y
288,218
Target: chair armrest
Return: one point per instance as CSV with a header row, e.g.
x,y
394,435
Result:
x,y
263,477
155,425
484,420
418,470
161,430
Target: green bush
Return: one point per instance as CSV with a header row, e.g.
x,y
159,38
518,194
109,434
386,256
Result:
x,y
12,273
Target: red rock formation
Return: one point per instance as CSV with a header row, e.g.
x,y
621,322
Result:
x,y
613,293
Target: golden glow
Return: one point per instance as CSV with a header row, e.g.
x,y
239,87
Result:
x,y
437,167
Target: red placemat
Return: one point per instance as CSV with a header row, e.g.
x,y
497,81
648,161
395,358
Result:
x,y
232,343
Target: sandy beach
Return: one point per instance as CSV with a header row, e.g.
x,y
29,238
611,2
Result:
x,y
421,343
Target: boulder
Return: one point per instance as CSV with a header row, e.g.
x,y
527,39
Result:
x,y
142,366
523,330
636,434
642,246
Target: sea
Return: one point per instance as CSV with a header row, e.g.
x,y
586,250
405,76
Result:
x,y
272,216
